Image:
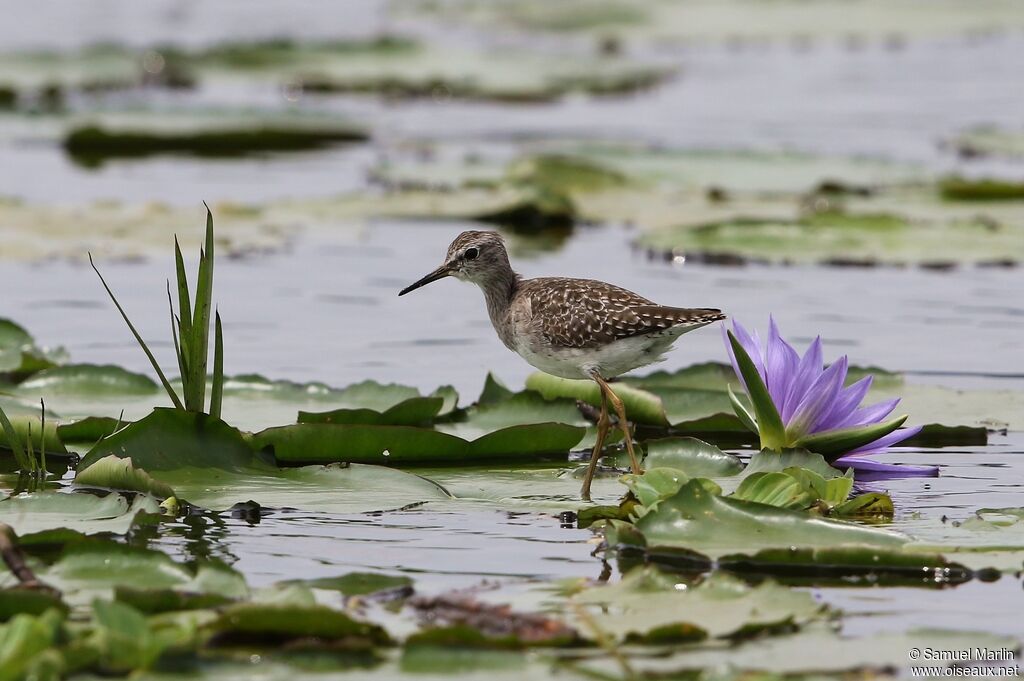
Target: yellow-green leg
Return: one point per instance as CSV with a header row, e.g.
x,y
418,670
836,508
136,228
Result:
x,y
620,411
603,422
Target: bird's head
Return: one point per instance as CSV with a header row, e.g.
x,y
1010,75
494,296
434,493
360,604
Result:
x,y
473,256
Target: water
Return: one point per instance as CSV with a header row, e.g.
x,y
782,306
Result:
x,y
324,307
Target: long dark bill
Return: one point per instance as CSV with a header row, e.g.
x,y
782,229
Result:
x,y
440,273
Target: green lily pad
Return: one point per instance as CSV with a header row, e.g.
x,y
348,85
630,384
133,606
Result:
x,y
19,600
38,511
817,650
774,489
415,411
641,406
768,462
93,144
19,354
260,622
667,23
868,236
25,646
989,141
95,568
862,564
721,605
696,518
329,489
89,379
115,473
170,438
962,189
403,445
41,438
536,489
513,409
359,583
692,456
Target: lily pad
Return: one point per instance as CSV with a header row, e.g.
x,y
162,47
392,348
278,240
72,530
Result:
x,y
537,489
696,518
91,145
692,456
115,473
360,583
329,489
47,438
38,511
403,445
96,568
171,438
19,354
260,622
720,605
641,406
89,379
989,141
663,22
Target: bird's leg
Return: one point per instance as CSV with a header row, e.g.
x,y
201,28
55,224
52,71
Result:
x,y
620,411
603,422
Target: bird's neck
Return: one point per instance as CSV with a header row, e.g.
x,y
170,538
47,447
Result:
x,y
499,289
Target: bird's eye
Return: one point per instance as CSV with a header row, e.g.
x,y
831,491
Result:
x,y
471,254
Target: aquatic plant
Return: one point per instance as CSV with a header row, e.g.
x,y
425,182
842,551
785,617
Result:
x,y
190,329
799,403
27,459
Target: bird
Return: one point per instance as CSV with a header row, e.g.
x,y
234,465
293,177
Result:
x,y
571,328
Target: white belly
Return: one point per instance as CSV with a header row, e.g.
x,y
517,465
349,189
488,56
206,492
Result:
x,y
608,360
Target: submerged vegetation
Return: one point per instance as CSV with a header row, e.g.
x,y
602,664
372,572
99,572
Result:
x,y
92,145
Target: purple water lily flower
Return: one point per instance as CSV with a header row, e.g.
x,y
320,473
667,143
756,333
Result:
x,y
800,403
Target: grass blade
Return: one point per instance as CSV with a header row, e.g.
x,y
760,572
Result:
x,y
13,442
30,450
184,326
184,303
217,391
175,323
199,348
142,343
42,439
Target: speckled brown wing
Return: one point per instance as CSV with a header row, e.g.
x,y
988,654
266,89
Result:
x,y
584,313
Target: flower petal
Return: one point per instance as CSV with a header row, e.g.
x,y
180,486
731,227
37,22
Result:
x,y
869,469
817,401
845,404
780,362
807,372
873,413
883,443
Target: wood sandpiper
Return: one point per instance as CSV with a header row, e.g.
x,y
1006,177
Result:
x,y
573,328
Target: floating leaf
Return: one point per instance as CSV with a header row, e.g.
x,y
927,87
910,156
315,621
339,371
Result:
x,y
329,489
767,462
720,605
19,354
774,489
641,406
38,511
696,518
173,438
692,456
403,445
259,621
359,583
114,473
415,411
